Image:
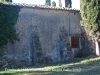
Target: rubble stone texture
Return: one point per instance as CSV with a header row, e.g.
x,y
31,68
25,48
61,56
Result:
x,y
45,36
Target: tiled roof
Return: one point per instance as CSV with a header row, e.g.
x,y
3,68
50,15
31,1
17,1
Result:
x,y
41,6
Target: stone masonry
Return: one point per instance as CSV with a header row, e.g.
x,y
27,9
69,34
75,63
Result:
x,y
45,36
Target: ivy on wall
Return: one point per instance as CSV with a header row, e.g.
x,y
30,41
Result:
x,y
8,18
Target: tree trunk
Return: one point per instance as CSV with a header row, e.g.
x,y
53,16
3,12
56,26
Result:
x,y
97,48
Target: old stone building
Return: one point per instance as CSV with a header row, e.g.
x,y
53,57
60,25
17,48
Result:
x,y
47,35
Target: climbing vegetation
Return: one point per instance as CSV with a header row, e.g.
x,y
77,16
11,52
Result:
x,y
8,19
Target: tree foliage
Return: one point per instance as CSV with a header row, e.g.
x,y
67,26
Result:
x,y
90,13
53,3
5,0
8,19
70,3
48,2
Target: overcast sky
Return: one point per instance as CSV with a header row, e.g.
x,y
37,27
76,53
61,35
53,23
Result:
x,y
75,3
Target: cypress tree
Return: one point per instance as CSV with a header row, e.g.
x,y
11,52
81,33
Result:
x,y
70,3
53,3
90,13
48,2
5,0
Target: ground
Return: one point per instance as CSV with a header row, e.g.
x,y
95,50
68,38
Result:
x,y
79,66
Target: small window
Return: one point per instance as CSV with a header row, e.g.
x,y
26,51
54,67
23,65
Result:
x,y
75,42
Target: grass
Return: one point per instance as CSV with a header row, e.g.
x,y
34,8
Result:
x,y
75,67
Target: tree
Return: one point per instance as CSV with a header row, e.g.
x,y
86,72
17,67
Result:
x,y
5,0
8,0
54,3
69,6
90,13
70,3
8,20
48,2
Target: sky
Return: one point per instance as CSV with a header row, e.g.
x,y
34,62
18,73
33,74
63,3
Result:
x,y
75,3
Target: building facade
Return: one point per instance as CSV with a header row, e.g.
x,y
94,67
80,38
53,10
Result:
x,y
47,35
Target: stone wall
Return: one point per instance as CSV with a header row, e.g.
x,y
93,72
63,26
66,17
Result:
x,y
44,36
